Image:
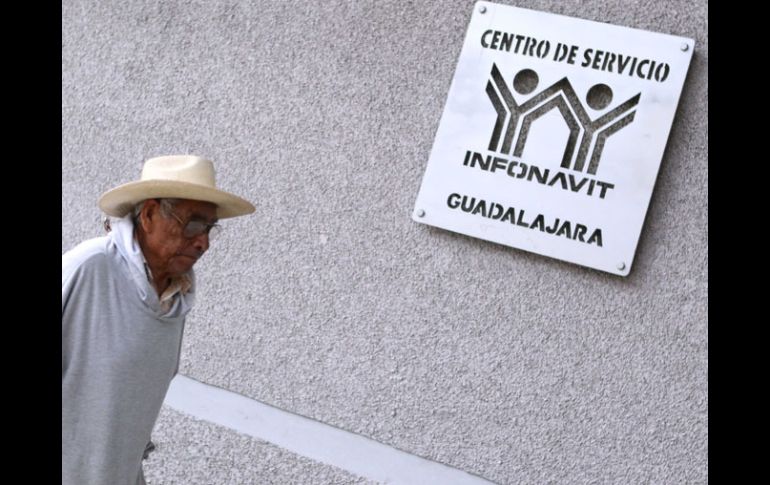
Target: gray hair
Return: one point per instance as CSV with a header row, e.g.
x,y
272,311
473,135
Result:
x,y
166,205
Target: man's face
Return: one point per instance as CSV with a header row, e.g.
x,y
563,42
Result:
x,y
167,250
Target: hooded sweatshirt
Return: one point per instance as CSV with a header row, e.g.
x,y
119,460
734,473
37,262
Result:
x,y
120,350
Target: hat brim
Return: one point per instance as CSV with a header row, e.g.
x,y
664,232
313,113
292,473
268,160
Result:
x,y
121,200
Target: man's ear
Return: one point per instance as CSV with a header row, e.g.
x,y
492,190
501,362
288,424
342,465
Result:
x,y
149,215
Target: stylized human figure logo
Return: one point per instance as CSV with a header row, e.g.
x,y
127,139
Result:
x,y
560,95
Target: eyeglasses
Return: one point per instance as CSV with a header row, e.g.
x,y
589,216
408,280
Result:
x,y
196,228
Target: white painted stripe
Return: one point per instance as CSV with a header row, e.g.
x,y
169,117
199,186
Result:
x,y
357,454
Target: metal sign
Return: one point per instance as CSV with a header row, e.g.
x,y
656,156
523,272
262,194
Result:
x,y
553,133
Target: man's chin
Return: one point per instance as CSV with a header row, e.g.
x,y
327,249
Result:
x,y
183,264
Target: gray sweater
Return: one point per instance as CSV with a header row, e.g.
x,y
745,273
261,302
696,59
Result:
x,y
119,354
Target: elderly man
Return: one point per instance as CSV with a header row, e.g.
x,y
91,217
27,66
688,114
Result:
x,y
124,301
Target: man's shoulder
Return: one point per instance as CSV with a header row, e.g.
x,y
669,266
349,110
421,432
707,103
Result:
x,y
92,253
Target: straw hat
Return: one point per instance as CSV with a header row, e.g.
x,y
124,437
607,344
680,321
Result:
x,y
177,177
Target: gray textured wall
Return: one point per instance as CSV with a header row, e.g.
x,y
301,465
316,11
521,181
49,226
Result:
x,y
332,303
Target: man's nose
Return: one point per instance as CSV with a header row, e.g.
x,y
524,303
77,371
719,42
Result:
x,y
201,243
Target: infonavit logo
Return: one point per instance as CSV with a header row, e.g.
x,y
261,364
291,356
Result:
x,y
585,142
560,95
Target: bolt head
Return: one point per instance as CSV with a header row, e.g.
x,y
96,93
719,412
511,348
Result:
x,y
482,9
